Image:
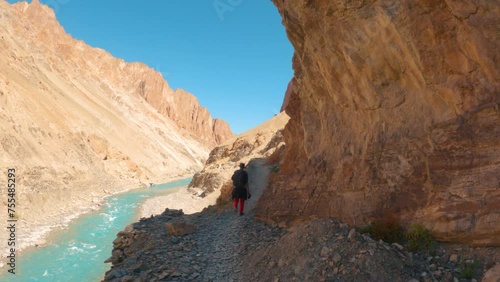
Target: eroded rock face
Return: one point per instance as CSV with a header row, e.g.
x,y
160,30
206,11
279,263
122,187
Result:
x,y
394,110
185,110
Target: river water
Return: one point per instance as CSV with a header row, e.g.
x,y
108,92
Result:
x,y
77,253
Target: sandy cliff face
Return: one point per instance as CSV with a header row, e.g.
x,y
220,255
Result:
x,y
78,123
394,110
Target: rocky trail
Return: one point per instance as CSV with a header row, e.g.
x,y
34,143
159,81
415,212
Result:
x,y
219,245
209,247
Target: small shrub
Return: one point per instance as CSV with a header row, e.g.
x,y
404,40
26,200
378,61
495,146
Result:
x,y
365,229
470,270
419,239
275,168
387,230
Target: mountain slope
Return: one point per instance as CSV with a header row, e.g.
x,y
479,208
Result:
x,y
78,124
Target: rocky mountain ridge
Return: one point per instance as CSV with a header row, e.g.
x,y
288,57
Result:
x,y
46,34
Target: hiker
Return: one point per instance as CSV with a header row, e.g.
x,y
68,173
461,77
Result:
x,y
240,188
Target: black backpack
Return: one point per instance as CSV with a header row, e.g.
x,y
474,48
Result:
x,y
238,178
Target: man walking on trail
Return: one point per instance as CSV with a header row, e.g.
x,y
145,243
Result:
x,y
240,190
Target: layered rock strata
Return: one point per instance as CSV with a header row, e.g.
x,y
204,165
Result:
x,y
395,110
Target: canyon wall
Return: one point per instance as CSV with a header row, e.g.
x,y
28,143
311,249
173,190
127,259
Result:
x,y
79,124
395,111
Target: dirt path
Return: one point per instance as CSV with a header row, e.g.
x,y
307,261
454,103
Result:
x,y
215,252
230,237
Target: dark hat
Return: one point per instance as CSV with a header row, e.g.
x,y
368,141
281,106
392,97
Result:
x,y
242,165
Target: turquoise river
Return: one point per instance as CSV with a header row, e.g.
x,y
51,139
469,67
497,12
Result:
x,y
77,253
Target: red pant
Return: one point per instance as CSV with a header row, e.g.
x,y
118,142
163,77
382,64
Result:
x,y
242,203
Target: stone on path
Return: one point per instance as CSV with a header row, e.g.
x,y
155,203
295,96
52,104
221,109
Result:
x,y
453,258
397,246
180,229
352,235
324,252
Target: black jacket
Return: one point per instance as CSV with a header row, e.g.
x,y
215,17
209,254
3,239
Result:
x,y
240,191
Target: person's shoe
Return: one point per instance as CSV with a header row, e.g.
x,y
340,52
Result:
x,y
242,213
235,210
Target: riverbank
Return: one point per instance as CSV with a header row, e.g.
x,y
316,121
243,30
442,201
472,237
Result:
x,y
31,237
190,201
183,199
76,252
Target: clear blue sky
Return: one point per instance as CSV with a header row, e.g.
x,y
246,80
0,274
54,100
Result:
x,y
232,54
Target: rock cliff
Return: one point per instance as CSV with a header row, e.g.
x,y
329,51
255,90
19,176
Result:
x,y
78,124
395,110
